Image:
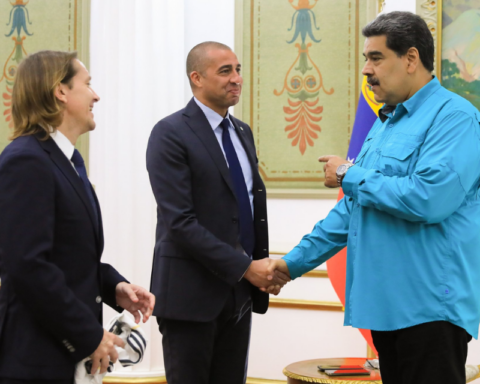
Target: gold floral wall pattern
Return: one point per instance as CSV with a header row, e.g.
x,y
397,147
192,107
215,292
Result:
x,y
302,78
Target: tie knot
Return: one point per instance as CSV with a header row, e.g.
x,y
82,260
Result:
x,y
77,158
225,124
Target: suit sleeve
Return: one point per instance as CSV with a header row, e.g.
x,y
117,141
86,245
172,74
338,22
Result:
x,y
170,177
110,280
27,205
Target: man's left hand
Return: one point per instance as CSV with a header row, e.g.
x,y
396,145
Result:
x,y
135,300
330,169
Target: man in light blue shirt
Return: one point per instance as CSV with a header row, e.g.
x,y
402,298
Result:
x,y
410,217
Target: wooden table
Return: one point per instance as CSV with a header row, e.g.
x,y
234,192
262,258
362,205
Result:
x,y
307,372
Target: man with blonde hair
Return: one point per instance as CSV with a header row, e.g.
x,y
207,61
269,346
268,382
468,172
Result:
x,y
51,237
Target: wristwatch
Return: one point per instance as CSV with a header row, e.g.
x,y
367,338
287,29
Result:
x,y
341,171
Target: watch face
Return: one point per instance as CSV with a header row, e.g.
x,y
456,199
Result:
x,y
341,169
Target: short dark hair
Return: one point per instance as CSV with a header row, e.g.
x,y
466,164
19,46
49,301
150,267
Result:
x,y
404,30
197,57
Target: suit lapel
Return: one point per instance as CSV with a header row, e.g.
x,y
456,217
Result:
x,y
249,150
100,224
196,120
68,171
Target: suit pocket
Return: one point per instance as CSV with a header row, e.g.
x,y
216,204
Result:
x,y
169,249
32,344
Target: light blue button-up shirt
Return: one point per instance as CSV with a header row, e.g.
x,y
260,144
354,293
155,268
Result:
x,y
214,119
410,219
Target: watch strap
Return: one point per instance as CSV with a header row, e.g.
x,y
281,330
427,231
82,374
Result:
x,y
340,177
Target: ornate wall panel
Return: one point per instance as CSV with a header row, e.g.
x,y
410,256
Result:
x,y
30,26
302,76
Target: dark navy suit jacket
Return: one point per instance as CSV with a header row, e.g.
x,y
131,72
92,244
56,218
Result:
x,y
52,280
197,260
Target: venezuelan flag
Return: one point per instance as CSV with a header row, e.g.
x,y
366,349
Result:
x,y
367,113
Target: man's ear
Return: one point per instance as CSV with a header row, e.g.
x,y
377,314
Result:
x,y
196,79
61,92
413,59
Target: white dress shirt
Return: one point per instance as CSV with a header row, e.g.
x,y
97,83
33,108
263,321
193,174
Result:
x,y
64,144
214,120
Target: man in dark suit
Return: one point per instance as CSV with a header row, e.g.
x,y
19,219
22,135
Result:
x,y
212,221
51,240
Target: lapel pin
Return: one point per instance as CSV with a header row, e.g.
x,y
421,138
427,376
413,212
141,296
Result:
x,y
241,128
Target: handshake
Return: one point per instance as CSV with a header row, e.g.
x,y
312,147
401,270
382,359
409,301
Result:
x,y
270,275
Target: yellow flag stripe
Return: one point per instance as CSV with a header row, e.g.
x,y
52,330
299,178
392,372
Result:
x,y
369,98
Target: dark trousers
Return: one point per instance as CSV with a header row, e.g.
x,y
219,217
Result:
x,y
214,352
428,353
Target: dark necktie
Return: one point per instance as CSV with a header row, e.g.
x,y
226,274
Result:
x,y
247,234
79,164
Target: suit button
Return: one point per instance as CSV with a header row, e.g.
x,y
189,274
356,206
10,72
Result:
x,y
234,220
98,299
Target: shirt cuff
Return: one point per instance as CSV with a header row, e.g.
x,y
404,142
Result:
x,y
294,267
350,183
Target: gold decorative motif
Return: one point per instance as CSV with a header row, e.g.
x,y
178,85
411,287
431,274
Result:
x,y
370,353
163,380
252,380
431,12
306,304
380,6
274,193
475,377
307,379
316,273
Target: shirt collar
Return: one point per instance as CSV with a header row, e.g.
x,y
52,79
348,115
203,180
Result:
x,y
385,111
214,119
63,143
415,102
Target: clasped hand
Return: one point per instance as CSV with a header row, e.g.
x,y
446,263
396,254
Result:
x,y
136,300
268,274
105,352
